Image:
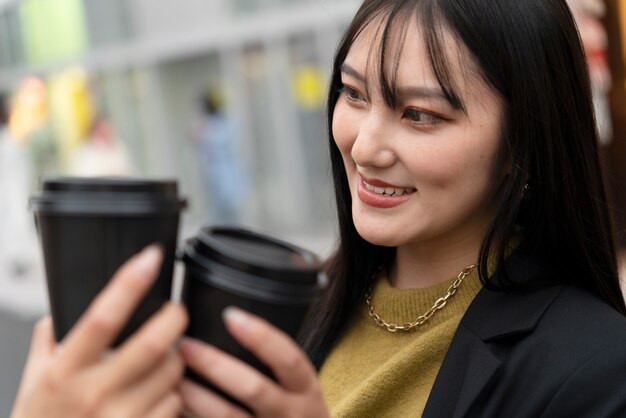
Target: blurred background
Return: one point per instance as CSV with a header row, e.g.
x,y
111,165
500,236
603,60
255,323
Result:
x,y
199,90
196,90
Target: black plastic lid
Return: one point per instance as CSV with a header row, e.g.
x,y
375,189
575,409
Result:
x,y
253,254
166,188
107,195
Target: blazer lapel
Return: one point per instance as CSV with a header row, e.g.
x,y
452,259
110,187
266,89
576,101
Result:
x,y
467,370
470,367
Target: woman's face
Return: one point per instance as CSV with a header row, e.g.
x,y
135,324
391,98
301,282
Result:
x,y
424,173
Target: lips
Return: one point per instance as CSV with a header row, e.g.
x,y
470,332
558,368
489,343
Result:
x,y
380,194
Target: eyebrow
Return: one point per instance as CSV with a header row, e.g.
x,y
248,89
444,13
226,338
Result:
x,y
345,68
405,92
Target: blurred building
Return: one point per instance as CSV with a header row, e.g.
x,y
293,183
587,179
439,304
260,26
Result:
x,y
148,61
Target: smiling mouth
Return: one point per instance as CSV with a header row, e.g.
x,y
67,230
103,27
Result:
x,y
389,191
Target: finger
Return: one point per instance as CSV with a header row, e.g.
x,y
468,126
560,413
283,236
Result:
x,y
202,403
143,350
109,312
42,348
277,350
141,397
233,376
42,343
170,407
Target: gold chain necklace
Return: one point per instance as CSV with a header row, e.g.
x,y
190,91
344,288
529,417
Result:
x,y
408,326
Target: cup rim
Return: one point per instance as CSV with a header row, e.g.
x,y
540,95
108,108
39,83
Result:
x,y
291,296
107,196
207,245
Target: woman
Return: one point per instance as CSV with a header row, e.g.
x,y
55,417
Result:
x,y
463,146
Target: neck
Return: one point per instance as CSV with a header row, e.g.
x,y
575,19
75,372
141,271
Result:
x,y
421,265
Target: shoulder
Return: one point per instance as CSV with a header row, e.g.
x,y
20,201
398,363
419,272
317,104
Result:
x,y
572,361
565,321
578,315
591,337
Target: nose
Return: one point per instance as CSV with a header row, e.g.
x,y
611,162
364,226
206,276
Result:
x,y
372,146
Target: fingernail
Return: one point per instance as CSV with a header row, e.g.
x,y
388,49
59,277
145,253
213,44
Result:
x,y
188,347
236,317
149,259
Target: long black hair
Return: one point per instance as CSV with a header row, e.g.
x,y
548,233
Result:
x,y
530,53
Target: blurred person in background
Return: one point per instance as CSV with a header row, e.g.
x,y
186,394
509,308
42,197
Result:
x,y
475,274
17,233
29,124
101,154
223,172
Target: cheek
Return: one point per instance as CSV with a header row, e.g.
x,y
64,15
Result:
x,y
478,175
438,168
452,168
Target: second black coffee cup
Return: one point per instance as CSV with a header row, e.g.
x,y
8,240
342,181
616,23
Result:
x,y
260,274
90,226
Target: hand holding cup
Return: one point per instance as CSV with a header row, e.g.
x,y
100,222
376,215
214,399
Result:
x,y
81,377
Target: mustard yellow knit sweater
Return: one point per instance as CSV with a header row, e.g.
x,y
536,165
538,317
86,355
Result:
x,y
374,373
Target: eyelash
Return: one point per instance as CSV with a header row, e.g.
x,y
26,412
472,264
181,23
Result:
x,y
432,119
414,116
347,91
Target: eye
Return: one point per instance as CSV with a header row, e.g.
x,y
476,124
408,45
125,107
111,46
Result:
x,y
422,118
351,94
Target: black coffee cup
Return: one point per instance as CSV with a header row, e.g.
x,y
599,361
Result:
x,y
260,274
89,227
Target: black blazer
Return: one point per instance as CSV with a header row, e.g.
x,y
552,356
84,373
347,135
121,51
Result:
x,y
554,352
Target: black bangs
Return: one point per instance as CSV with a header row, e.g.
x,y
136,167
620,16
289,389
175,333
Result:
x,y
432,25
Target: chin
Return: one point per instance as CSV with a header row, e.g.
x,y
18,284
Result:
x,y
377,235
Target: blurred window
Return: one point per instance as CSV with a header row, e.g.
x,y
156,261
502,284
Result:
x,y
11,43
52,30
108,22
309,85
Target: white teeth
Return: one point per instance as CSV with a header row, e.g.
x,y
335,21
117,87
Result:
x,y
388,191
